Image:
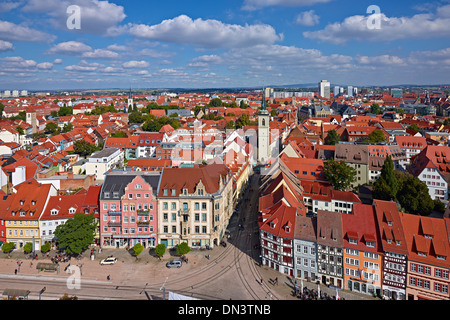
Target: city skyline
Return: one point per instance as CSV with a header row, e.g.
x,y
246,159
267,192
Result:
x,y
48,45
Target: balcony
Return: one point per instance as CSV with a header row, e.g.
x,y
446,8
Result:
x,y
142,222
114,224
114,213
143,212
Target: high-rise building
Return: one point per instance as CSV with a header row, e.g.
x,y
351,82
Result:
x,y
336,91
324,89
350,91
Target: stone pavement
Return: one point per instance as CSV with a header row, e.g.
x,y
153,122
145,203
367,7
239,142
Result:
x,y
149,269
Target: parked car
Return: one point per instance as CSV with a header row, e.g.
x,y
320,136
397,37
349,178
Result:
x,y
109,260
174,264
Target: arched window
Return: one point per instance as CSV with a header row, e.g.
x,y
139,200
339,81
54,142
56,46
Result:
x,y
263,122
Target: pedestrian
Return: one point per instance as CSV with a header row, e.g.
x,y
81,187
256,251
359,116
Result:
x,y
108,277
276,280
15,271
261,281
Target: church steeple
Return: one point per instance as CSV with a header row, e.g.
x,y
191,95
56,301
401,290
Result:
x,y
129,102
263,102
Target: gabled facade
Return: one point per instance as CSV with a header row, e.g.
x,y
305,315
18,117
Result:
x,y
128,209
194,205
330,250
22,215
428,257
363,258
394,248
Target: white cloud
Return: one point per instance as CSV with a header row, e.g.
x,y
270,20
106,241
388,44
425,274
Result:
x,y
84,66
45,66
5,46
419,26
13,32
116,47
382,60
206,33
135,64
57,61
70,48
8,5
307,18
258,4
97,17
100,54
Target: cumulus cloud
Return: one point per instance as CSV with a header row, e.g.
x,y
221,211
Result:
x,y
84,66
70,48
5,46
135,64
206,33
259,4
419,26
100,54
97,17
12,32
307,18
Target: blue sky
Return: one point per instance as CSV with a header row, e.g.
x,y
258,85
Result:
x,y
229,43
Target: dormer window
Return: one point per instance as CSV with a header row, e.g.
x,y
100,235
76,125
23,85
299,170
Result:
x,y
287,229
72,210
389,223
106,195
200,192
370,244
22,202
428,236
165,192
174,192
33,202
22,213
54,212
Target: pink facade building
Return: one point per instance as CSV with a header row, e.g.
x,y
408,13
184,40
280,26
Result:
x,y
128,209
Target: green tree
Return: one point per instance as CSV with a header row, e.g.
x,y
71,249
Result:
x,y
28,247
244,120
413,195
414,127
51,127
387,185
67,128
230,125
183,248
45,247
83,148
77,234
216,102
137,249
375,108
136,117
7,247
332,138
376,136
20,130
339,174
65,111
160,250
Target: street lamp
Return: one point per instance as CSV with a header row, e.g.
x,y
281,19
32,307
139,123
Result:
x,y
41,292
163,288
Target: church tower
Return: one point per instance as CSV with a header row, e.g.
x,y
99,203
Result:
x,y
129,102
263,132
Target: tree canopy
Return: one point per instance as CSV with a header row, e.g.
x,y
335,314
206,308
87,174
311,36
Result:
x,y
339,174
77,234
332,138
